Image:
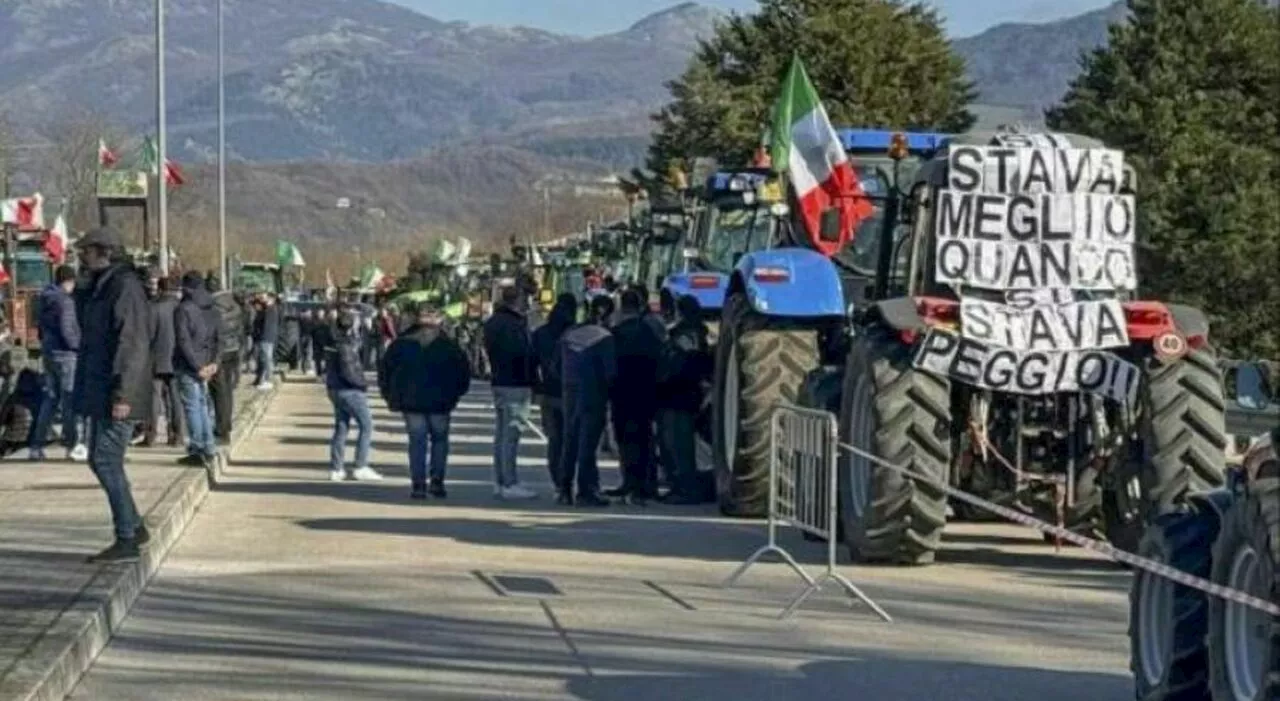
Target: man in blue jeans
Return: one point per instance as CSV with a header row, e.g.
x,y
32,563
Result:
x,y
195,360
344,378
59,343
266,333
424,375
512,358
113,378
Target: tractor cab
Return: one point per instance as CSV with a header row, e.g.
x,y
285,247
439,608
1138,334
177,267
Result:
x,y
254,278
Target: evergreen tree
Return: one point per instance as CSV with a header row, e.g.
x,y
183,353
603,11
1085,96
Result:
x,y
1190,90
876,63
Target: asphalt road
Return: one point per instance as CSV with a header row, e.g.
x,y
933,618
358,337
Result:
x,y
287,586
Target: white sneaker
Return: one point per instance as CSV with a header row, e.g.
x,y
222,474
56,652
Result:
x,y
80,453
366,474
337,475
264,386
516,491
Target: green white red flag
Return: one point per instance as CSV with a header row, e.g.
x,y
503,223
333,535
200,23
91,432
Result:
x,y
805,146
151,159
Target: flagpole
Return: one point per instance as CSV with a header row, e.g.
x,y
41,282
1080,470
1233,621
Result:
x,y
222,159
162,158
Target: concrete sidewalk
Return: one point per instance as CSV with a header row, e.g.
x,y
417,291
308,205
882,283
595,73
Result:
x,y
290,587
57,611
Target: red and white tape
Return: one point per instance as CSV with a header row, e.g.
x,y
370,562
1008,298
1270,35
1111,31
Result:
x,y
1157,568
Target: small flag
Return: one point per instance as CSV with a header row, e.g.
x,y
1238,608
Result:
x,y
173,174
106,157
371,277
23,212
288,254
4,275
55,244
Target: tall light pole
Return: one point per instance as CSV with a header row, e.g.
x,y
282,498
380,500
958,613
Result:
x,y
161,147
222,160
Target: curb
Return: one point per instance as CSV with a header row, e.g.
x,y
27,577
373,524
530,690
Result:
x,y
50,670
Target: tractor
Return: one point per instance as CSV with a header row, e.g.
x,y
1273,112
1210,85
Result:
x,y
1003,354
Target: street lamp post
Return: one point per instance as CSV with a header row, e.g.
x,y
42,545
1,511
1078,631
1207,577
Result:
x,y
222,159
162,198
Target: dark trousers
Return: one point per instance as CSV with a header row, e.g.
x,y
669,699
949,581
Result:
x,y
166,400
304,353
584,424
634,432
317,354
108,441
222,387
679,449
553,427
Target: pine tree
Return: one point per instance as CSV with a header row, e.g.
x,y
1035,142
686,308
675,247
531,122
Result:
x,y
876,63
1190,89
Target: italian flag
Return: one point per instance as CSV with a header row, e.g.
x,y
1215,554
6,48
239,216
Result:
x,y
106,157
804,145
372,277
55,244
288,254
23,212
173,175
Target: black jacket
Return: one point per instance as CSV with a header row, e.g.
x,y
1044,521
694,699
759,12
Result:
x,y
115,364
588,365
686,364
424,372
342,366
195,332
230,322
510,348
546,343
638,349
266,328
163,340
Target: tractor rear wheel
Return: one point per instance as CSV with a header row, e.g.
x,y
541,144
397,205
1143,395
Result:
x,y
756,367
900,415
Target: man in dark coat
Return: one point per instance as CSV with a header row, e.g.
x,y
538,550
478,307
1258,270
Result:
x,y
59,343
166,397
588,369
633,407
266,333
424,375
546,342
510,347
222,387
195,360
686,364
113,378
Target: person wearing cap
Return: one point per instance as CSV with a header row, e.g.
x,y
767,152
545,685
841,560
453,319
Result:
x,y
59,343
195,360
113,378
424,375
347,392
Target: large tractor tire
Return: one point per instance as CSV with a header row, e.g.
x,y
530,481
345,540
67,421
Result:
x,y
902,416
1244,643
757,366
1168,621
1183,431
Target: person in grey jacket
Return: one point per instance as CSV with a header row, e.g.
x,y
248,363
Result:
x,y
165,397
588,370
113,378
344,379
59,343
195,360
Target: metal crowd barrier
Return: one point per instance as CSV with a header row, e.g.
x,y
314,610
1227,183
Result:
x,y
803,445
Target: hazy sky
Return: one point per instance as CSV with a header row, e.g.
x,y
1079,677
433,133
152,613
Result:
x,y
964,17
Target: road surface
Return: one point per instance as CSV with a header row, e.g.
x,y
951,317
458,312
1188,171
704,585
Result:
x,y
287,586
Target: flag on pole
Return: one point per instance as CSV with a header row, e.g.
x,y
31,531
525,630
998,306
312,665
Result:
x,y
805,146
55,244
173,175
106,157
23,212
4,275
371,277
330,289
288,254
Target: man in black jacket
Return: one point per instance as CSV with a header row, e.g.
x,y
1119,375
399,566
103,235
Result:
x,y
546,342
113,378
195,360
165,395
588,370
510,348
633,399
266,333
424,375
222,387
686,365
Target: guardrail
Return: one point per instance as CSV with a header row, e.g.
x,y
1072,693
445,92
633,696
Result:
x,y
802,495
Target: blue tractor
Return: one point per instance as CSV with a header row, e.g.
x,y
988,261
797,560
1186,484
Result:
x,y
786,309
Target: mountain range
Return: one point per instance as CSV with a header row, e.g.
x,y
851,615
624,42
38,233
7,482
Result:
x,y
370,81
